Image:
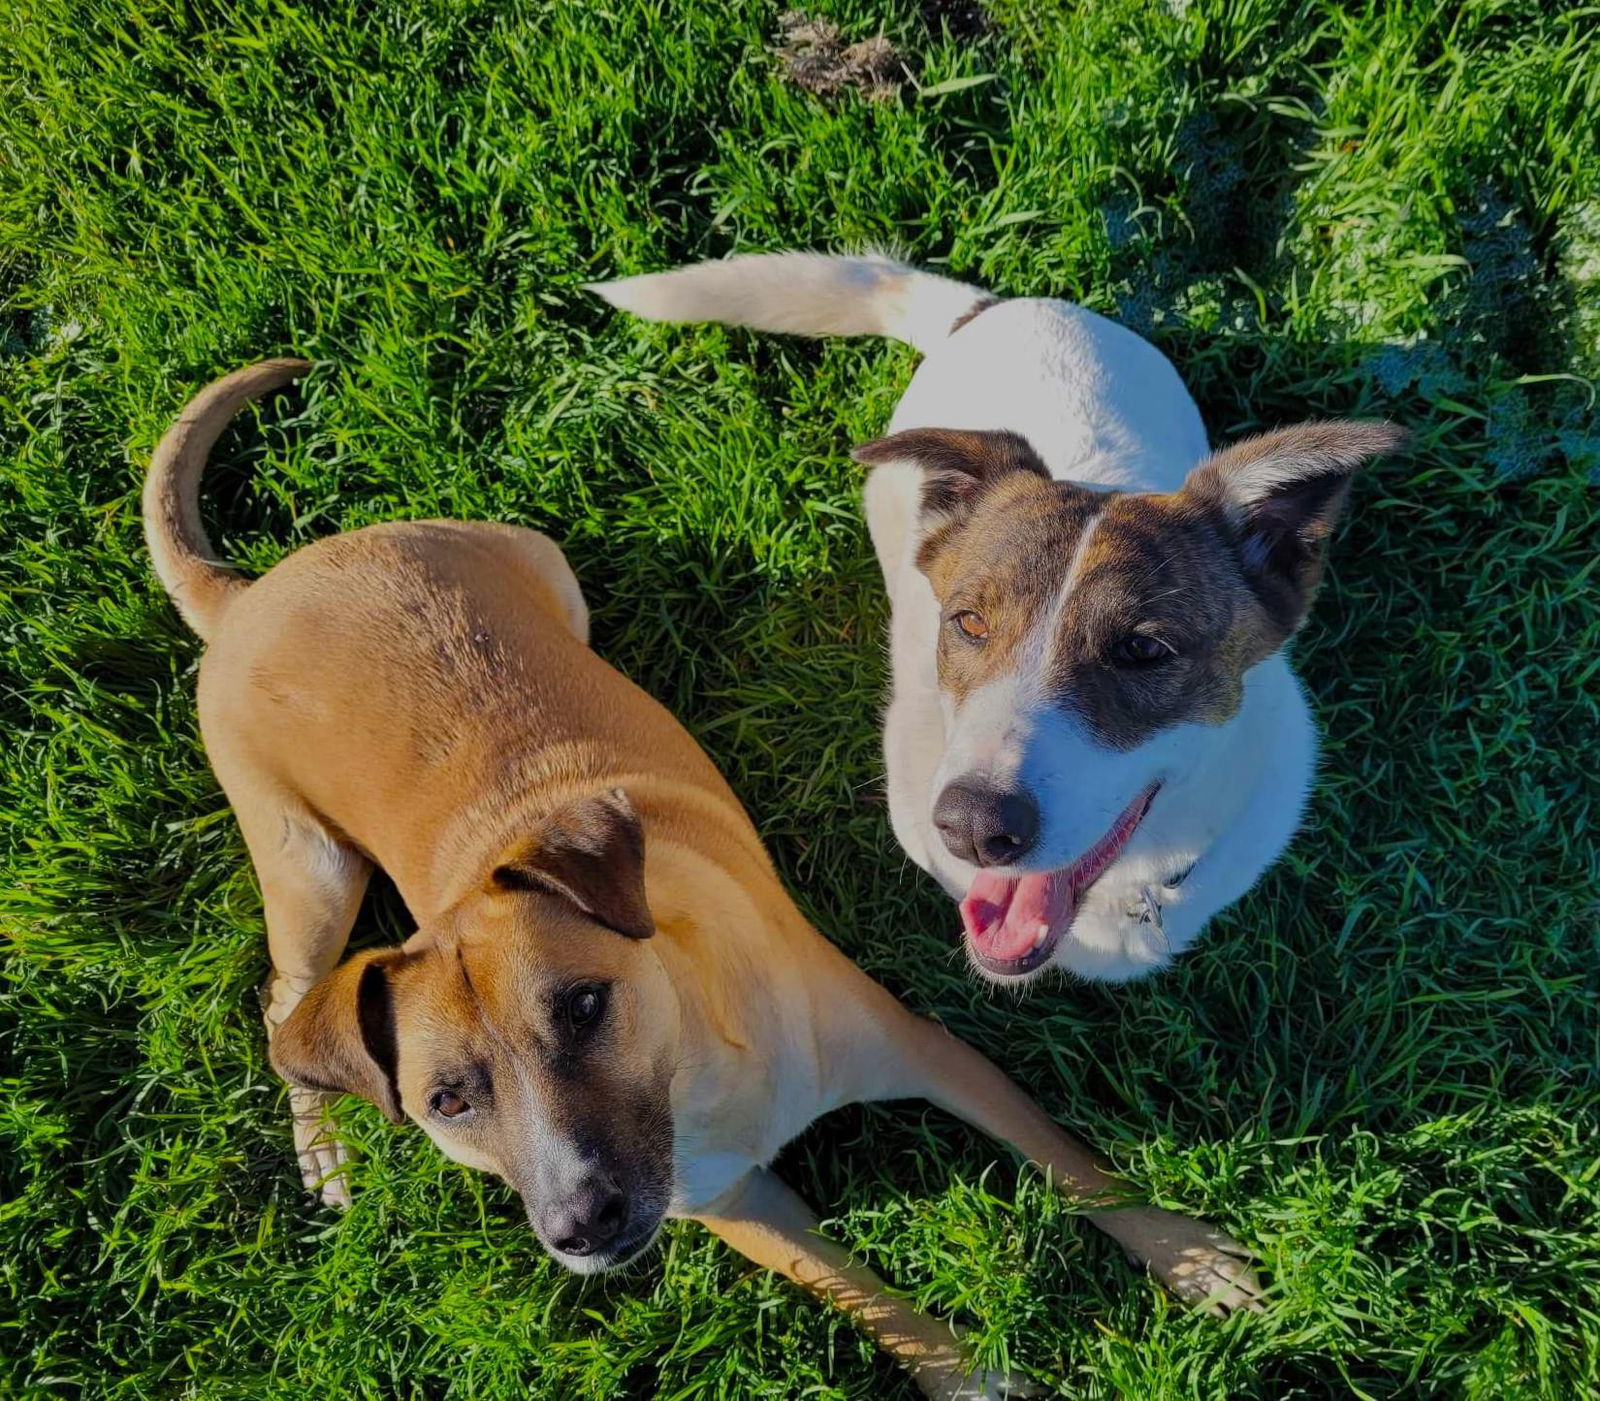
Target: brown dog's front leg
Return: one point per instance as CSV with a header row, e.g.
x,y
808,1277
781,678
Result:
x,y
311,889
766,1221
1199,1263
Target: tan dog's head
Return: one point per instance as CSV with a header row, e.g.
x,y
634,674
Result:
x,y
1094,643
533,1036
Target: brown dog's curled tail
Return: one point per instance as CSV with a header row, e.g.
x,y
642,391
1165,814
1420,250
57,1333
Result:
x,y
178,545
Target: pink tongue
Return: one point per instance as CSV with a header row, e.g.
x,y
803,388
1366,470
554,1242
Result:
x,y
1002,914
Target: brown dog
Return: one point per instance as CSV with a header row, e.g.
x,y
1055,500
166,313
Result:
x,y
609,1000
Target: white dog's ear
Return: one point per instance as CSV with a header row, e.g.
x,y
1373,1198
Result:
x,y
956,464
1282,493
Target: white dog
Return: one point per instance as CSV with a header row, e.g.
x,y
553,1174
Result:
x,y
1094,742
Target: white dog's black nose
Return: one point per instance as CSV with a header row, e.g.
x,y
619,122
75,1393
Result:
x,y
588,1220
985,826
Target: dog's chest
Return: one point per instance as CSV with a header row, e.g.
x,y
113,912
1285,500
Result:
x,y
726,1125
704,1177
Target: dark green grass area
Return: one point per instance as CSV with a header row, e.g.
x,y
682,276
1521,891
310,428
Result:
x,y
1380,1069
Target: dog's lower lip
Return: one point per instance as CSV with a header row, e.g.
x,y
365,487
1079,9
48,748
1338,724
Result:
x,y
1030,962
1044,945
629,1248
635,1247
613,1257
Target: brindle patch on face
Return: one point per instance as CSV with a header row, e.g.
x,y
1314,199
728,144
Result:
x,y
1163,566
1220,572
1003,562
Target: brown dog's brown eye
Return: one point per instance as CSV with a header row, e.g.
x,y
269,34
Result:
x,y
449,1105
1140,649
972,625
584,1006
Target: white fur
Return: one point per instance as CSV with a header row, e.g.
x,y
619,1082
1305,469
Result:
x,y
1103,408
805,294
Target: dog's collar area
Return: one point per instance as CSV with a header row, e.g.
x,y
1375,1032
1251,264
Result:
x,y
1147,908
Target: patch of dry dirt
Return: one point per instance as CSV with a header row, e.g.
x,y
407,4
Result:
x,y
815,58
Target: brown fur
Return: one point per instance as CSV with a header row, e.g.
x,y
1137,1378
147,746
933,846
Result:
x,y
420,697
1221,572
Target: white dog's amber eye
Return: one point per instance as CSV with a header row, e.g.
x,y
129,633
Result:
x,y
449,1105
972,625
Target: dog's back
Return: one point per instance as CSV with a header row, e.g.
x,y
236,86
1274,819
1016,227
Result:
x,y
1102,405
471,635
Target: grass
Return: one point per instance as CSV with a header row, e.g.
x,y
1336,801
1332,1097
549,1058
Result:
x,y
1380,1069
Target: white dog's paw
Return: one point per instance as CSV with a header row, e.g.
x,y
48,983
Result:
x,y
324,1160
1201,1265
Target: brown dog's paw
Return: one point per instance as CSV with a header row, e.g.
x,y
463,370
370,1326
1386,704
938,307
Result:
x,y
949,1379
948,1374
1201,1265
980,1385
1003,1386
324,1160
278,997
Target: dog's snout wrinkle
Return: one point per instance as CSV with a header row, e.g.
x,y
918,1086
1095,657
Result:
x,y
986,826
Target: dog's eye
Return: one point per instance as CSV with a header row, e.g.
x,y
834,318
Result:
x,y
447,1104
584,1006
1140,649
971,626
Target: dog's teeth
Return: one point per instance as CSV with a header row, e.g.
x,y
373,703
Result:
x,y
1041,936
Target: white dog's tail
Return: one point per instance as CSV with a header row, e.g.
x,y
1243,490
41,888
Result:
x,y
804,294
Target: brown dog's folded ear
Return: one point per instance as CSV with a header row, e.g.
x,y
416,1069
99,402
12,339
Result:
x,y
590,852
956,463
341,1037
1282,493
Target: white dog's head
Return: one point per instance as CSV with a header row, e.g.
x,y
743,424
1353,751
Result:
x,y
1094,641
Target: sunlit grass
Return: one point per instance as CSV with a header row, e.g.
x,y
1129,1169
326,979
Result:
x,y
1380,1069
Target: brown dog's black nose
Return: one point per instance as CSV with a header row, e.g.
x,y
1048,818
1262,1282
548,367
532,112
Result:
x,y
985,826
588,1220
